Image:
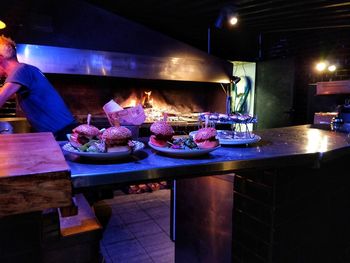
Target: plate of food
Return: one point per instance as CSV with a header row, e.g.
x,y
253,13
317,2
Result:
x,y
164,141
113,143
104,155
181,152
228,137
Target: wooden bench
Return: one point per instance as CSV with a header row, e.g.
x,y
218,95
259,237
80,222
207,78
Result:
x,y
79,240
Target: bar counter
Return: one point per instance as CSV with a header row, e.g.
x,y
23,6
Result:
x,y
278,147
283,199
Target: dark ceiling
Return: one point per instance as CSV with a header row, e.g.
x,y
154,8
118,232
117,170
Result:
x,y
266,29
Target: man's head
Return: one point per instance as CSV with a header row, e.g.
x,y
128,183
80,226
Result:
x,y
7,48
7,53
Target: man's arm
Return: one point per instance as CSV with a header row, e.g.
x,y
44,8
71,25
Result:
x,y
7,91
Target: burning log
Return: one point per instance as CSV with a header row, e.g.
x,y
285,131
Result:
x,y
146,100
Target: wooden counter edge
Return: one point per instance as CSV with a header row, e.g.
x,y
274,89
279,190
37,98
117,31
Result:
x,y
35,192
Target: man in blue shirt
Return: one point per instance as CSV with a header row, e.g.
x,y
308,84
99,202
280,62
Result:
x,y
44,108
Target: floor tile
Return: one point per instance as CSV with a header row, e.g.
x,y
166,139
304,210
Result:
x,y
134,216
164,223
124,207
144,228
116,234
115,220
139,259
136,228
158,211
147,204
163,256
126,251
156,242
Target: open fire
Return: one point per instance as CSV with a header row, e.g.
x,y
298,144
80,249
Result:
x,y
156,106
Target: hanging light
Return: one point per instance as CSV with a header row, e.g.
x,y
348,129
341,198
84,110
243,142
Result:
x,y
228,15
2,25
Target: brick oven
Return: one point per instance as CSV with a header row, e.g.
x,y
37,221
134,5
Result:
x,y
181,100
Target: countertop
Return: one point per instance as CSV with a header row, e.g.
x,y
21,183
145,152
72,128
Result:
x,y
296,145
33,173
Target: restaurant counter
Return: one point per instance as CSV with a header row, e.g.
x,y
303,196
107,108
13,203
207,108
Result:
x,y
284,198
278,147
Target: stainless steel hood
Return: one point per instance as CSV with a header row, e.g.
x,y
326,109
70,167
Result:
x,y
181,67
74,37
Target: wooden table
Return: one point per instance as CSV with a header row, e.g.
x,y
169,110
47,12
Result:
x,y
34,175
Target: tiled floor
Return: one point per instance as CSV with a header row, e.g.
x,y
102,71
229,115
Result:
x,y
136,228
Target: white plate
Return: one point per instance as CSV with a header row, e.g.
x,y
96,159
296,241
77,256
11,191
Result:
x,y
182,152
234,138
103,156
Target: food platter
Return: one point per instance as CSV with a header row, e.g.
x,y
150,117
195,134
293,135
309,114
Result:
x,y
182,152
227,137
237,141
103,156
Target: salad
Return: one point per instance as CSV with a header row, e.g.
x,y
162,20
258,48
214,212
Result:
x,y
183,143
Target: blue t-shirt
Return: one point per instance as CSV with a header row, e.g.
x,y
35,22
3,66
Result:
x,y
41,103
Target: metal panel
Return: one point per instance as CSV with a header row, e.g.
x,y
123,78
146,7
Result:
x,y
333,87
182,67
204,210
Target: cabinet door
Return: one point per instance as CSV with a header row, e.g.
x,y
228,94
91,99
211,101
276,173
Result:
x,y
274,93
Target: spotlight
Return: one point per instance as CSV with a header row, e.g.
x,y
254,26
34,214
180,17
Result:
x,y
332,68
226,18
321,66
228,15
325,65
233,20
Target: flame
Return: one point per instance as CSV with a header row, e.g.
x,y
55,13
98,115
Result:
x,y
155,106
132,101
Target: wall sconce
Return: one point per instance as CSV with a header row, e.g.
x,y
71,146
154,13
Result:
x,y
228,17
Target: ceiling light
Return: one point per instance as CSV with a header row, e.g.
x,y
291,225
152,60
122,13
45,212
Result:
x,y
332,68
321,66
228,16
233,20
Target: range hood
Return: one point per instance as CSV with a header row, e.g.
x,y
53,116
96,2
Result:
x,y
91,62
75,37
